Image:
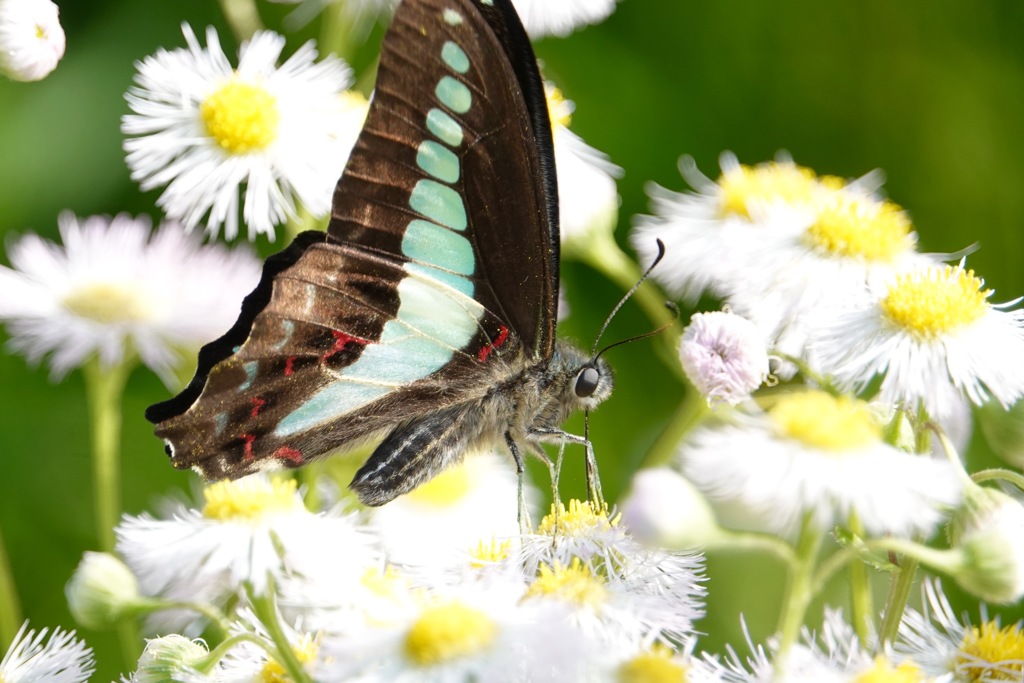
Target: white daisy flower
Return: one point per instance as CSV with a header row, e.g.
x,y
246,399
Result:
x,y
588,199
616,588
31,39
383,594
561,17
724,355
60,659
438,523
816,454
204,129
248,530
659,663
250,662
712,234
943,645
832,655
113,288
477,631
933,336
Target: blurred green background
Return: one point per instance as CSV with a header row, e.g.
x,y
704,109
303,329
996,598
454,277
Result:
x,y
932,93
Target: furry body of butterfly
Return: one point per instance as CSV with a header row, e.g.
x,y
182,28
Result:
x,y
527,407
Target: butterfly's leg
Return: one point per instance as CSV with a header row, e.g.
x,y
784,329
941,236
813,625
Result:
x,y
593,478
525,525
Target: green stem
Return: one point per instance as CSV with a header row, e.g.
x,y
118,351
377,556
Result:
x,y
216,618
899,594
1014,478
801,589
243,17
690,413
744,540
10,607
104,389
217,653
341,31
861,604
265,607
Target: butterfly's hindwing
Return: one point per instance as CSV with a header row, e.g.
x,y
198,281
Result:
x,y
436,280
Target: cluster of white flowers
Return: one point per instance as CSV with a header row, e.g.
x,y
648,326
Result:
x,y
579,599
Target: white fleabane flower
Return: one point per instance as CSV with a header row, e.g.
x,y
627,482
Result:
x,y
112,288
834,655
60,659
31,39
816,454
560,17
247,530
943,645
204,129
616,588
724,355
438,523
933,336
477,631
101,591
724,226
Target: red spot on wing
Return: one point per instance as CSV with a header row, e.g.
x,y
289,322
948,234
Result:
x,y
485,350
341,340
257,404
289,366
289,454
249,438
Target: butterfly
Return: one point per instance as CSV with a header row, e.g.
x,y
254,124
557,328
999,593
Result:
x,y
426,313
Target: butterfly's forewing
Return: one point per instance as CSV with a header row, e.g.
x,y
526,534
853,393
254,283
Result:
x,y
438,274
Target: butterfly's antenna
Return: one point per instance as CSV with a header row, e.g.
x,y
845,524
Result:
x,y
624,299
671,307
595,354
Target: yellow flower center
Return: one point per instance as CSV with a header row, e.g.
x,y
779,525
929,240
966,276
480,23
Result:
x,y
447,632
558,109
241,117
859,226
445,489
249,499
580,519
385,583
823,421
882,671
305,652
991,644
106,303
655,666
485,554
935,301
575,584
771,182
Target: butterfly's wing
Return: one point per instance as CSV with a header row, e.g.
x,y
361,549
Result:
x,y
436,278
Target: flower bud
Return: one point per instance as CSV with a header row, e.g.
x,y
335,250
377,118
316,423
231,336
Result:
x,y
989,533
170,659
31,39
663,508
101,591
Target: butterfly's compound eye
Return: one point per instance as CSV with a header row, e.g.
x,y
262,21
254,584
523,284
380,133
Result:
x,y
587,381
